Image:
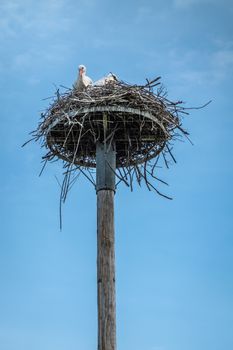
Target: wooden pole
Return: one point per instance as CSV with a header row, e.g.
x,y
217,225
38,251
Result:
x,y
105,188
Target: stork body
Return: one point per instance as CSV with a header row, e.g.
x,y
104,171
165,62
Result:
x,y
83,80
105,80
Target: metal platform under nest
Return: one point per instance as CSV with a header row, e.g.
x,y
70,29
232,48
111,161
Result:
x,y
137,135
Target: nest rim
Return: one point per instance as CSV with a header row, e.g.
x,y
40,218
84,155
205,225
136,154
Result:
x,y
89,112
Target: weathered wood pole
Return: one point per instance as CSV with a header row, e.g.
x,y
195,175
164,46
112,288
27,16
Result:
x,y
105,188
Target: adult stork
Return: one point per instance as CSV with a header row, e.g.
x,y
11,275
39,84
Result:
x,y
83,80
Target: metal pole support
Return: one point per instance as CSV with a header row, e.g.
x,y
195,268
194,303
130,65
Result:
x,y
105,188
105,167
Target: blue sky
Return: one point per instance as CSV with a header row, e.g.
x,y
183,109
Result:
x,y
174,258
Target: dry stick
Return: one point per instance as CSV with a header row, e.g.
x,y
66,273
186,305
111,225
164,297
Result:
x,y
67,165
185,133
145,175
171,153
161,194
63,193
72,182
150,82
65,188
133,173
57,181
148,184
203,106
62,200
79,137
110,136
165,160
92,129
156,160
137,176
156,178
43,167
28,141
68,135
60,213
65,87
114,171
89,172
131,178
125,174
93,183
122,178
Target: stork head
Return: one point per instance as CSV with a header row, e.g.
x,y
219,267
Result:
x,y
82,69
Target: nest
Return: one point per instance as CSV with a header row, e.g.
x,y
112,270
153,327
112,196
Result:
x,y
139,122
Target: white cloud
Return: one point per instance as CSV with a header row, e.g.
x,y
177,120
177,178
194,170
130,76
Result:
x,y
215,73
29,31
195,67
42,18
204,67
40,32
39,56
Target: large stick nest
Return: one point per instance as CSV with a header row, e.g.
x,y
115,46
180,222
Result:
x,y
139,122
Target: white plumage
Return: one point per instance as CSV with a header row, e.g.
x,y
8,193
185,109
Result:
x,y
83,80
105,80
